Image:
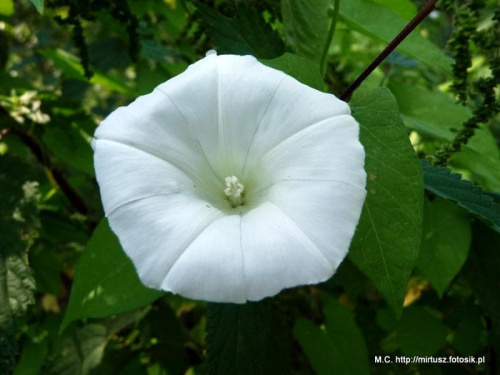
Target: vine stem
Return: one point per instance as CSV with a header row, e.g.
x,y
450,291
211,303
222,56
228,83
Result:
x,y
329,39
419,17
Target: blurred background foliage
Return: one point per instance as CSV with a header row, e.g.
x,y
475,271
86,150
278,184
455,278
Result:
x,y
65,65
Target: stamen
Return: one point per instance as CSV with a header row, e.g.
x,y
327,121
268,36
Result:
x,y
233,190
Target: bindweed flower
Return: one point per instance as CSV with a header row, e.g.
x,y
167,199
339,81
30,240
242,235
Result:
x,y
232,181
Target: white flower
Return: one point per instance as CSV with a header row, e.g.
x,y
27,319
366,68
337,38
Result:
x,y
232,181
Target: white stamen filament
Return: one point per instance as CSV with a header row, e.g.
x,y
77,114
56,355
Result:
x,y
233,190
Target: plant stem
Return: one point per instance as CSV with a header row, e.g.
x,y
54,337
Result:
x,y
419,17
75,199
329,38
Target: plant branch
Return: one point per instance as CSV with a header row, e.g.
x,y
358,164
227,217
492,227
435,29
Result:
x,y
329,38
75,199
419,17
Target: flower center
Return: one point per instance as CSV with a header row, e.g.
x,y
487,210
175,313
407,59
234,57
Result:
x,y
233,190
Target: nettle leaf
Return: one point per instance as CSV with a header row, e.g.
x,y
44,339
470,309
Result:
x,y
306,26
436,115
445,242
338,347
449,185
245,339
381,23
19,227
388,235
106,282
246,33
301,69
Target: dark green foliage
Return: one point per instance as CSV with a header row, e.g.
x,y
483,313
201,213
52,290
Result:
x,y
481,271
19,227
85,10
339,345
420,279
245,33
246,339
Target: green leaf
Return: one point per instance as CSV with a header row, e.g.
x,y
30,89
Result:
x,y
434,114
245,34
299,68
6,7
449,185
32,358
306,26
420,332
72,68
388,235
338,347
66,141
38,5
469,335
445,243
245,339
106,282
19,226
381,23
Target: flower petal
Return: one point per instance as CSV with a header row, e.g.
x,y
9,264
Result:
x,y
155,231
328,150
212,267
127,174
153,124
327,212
293,108
278,254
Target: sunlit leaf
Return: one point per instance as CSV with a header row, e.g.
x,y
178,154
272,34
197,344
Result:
x,y
434,114
6,7
381,23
